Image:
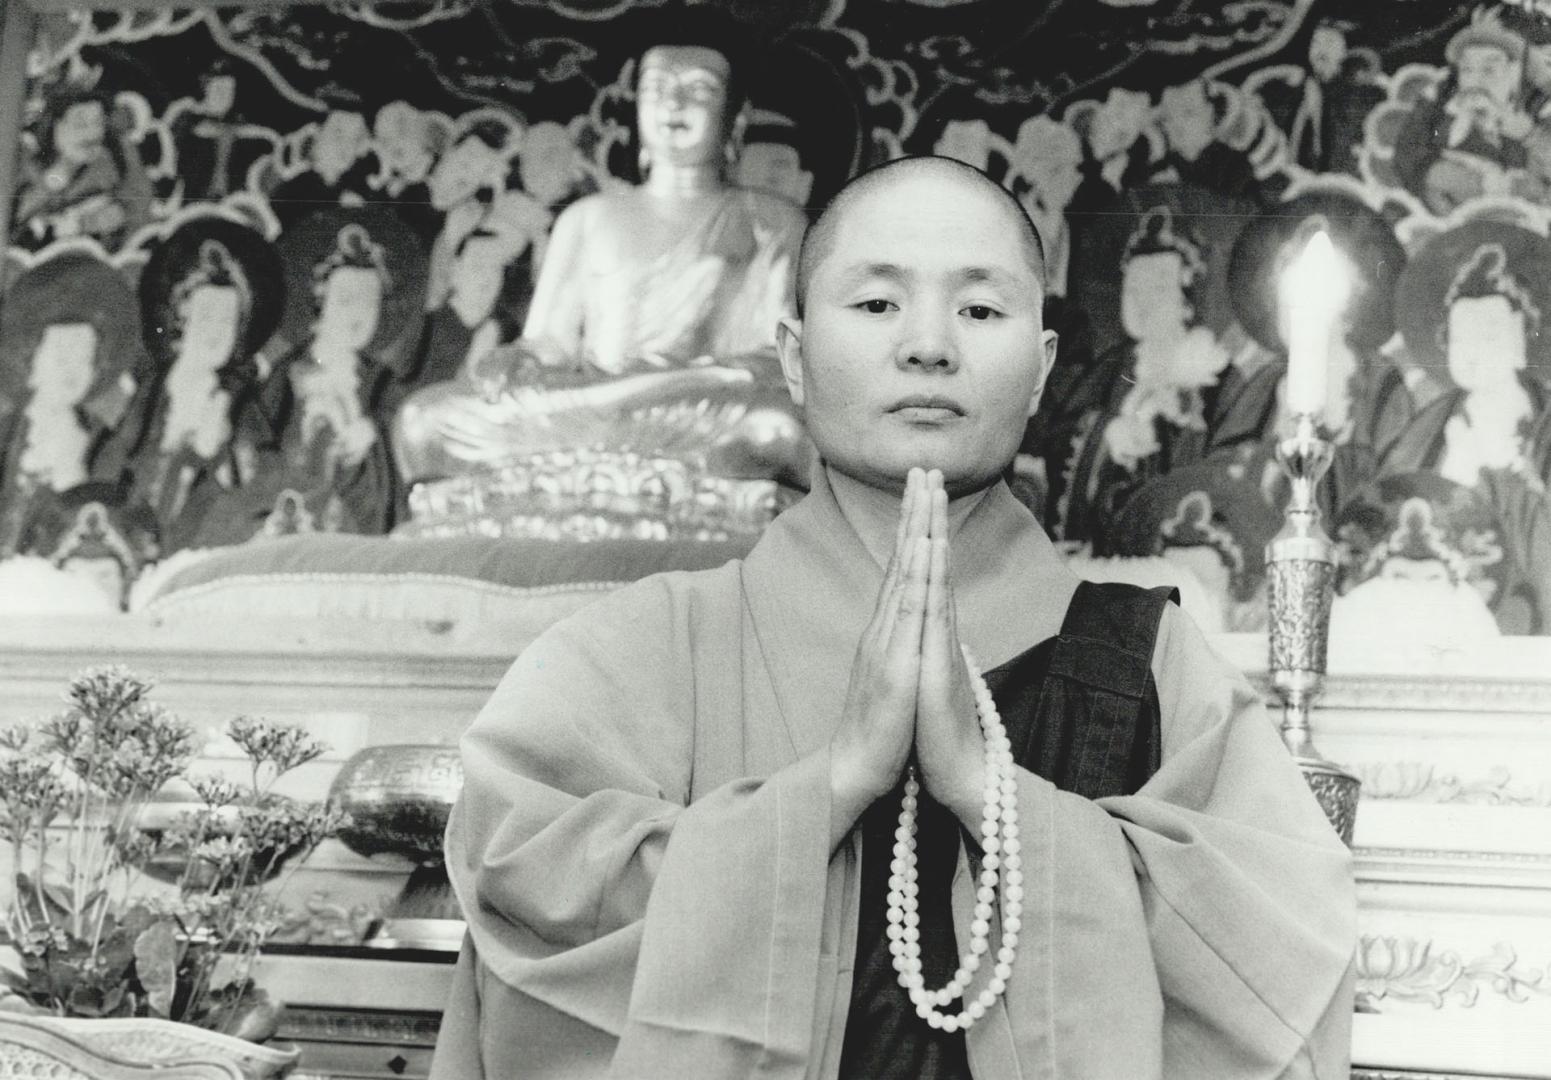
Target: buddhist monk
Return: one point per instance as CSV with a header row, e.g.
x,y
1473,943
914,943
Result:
x,y
895,796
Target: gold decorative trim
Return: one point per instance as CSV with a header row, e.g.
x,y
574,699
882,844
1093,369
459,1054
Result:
x,y
1360,1073
1415,971
359,1026
1452,855
324,922
1423,782
1397,693
596,494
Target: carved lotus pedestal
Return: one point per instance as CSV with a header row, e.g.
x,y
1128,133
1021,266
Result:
x,y
54,1048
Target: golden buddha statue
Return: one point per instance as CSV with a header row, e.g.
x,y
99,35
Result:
x,y
646,372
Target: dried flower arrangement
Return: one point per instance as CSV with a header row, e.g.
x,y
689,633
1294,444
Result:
x,y
93,939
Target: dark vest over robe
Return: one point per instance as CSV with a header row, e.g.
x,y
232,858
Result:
x,y
1081,711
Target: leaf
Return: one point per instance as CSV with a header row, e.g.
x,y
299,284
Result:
x,y
136,919
117,1001
61,903
156,965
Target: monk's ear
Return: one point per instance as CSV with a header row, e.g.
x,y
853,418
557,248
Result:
x,y
1047,359
789,346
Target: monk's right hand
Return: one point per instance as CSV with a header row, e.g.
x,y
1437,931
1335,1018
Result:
x,y
873,741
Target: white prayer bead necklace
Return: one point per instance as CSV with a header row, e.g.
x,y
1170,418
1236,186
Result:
x,y
1000,845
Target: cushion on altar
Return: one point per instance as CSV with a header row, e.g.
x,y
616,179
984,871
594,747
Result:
x,y
30,585
463,579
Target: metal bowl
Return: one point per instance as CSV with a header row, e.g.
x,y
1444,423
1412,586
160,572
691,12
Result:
x,y
398,798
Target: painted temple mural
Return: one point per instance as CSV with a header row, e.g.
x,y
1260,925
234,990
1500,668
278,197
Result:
x,y
377,269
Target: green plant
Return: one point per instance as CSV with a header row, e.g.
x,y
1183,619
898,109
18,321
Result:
x,y
95,936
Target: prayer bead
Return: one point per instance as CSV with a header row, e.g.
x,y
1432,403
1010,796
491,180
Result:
x,y
999,832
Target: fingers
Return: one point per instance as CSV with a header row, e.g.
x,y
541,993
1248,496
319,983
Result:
x,y
903,655
893,575
912,487
916,511
951,600
903,532
937,527
923,515
937,636
940,631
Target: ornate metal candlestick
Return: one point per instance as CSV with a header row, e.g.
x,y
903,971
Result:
x,y
1301,561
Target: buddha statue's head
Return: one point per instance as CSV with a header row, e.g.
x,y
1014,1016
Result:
x,y
687,105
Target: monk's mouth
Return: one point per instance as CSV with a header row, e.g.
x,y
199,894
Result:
x,y
927,409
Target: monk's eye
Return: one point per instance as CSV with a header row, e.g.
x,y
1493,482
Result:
x,y
877,307
981,312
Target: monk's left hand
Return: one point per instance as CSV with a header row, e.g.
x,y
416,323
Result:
x,y
950,750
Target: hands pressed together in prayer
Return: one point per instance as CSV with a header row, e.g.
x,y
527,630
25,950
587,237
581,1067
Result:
x,y
910,692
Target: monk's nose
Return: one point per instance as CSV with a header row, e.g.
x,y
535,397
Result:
x,y
928,345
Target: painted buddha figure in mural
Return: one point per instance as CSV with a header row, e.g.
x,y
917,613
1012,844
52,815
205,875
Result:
x,y
1485,331
67,357
650,300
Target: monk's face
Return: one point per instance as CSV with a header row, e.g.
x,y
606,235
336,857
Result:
x,y
922,342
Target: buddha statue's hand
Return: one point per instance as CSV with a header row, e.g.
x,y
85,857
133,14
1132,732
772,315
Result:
x,y
872,742
949,746
482,434
500,371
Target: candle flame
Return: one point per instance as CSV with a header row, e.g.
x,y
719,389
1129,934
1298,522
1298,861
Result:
x,y
1319,279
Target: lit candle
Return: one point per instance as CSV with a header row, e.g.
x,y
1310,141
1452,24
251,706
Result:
x,y
1314,291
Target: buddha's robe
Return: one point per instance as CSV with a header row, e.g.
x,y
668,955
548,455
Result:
x,y
717,290
642,845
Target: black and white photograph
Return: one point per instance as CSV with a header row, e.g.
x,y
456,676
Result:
x,y
800,539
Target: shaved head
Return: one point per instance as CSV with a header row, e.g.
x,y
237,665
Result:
x,y
818,243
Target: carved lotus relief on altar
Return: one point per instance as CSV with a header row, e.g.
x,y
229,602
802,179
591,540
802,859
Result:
x,y
1407,971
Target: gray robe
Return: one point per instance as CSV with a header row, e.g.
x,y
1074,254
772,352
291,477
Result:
x,y
642,845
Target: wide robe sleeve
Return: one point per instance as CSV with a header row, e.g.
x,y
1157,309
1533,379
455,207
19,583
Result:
x,y
1203,928
614,927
